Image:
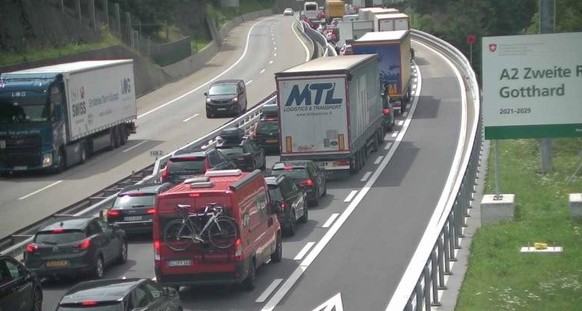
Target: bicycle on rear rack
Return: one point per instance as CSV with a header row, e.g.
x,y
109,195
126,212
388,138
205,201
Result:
x,y
219,230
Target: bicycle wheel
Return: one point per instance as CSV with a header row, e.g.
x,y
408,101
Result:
x,y
222,233
178,235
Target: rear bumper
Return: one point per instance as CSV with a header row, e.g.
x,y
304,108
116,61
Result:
x,y
62,272
136,227
235,276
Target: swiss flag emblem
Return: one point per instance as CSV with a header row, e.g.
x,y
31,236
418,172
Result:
x,y
492,47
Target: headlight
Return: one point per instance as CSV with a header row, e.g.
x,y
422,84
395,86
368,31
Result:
x,y
235,99
47,159
208,100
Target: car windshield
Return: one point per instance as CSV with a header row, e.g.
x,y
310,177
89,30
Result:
x,y
293,172
266,127
231,150
99,306
187,166
222,89
143,199
59,237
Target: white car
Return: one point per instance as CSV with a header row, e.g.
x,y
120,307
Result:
x,y
288,12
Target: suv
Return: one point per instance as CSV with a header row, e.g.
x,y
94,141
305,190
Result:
x,y
20,289
307,174
76,245
241,150
291,201
134,207
226,97
120,294
183,166
266,132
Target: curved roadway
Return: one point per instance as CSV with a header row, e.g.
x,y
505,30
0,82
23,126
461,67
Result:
x,y
360,239
168,118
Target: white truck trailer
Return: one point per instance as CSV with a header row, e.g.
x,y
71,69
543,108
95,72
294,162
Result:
x,y
55,116
330,111
391,22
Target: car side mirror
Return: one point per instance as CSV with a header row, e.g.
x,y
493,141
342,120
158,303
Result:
x,y
205,93
170,292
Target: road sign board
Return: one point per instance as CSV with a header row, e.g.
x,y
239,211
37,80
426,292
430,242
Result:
x,y
471,39
531,86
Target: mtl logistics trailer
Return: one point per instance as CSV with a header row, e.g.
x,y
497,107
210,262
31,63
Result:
x,y
393,49
330,111
55,116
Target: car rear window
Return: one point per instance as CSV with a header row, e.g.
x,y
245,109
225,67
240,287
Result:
x,y
293,172
137,200
275,193
231,150
59,237
187,166
265,127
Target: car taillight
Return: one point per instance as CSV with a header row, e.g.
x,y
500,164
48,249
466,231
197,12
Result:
x,y
254,133
238,250
112,213
31,248
283,204
165,174
156,250
85,244
151,211
386,111
58,230
308,182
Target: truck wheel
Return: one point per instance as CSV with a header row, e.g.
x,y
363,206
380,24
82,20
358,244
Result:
x,y
381,134
354,162
112,138
83,153
278,254
61,162
122,135
117,136
249,283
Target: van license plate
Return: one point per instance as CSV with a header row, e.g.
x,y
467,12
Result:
x,y
132,218
179,263
272,140
20,168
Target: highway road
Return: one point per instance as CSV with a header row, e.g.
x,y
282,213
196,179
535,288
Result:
x,y
357,243
168,118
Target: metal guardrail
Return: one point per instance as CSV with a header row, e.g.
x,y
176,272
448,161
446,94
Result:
x,y
425,275
148,174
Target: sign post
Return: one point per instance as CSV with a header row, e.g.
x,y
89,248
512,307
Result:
x,y
471,39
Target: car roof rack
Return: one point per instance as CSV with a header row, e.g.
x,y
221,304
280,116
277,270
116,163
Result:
x,y
222,173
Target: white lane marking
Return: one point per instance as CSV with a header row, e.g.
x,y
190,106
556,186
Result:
x,y
388,145
190,118
249,82
330,220
275,47
394,134
269,290
378,160
275,55
366,176
262,71
304,250
136,145
41,189
405,114
298,272
270,62
350,196
400,122
307,54
387,136
438,218
209,81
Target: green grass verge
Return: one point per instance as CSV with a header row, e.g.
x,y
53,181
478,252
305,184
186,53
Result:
x,y
499,277
40,54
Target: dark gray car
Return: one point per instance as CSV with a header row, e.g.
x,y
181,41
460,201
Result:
x,y
226,97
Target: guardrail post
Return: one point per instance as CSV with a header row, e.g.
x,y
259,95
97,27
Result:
x,y
434,272
441,255
452,237
447,249
426,289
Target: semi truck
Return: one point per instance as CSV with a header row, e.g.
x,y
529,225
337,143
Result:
x,y
351,30
394,51
56,116
333,9
330,111
389,22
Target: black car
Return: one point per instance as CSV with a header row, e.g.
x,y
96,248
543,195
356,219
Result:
x,y
76,245
305,173
241,150
266,132
120,295
20,288
226,97
291,201
134,207
183,166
